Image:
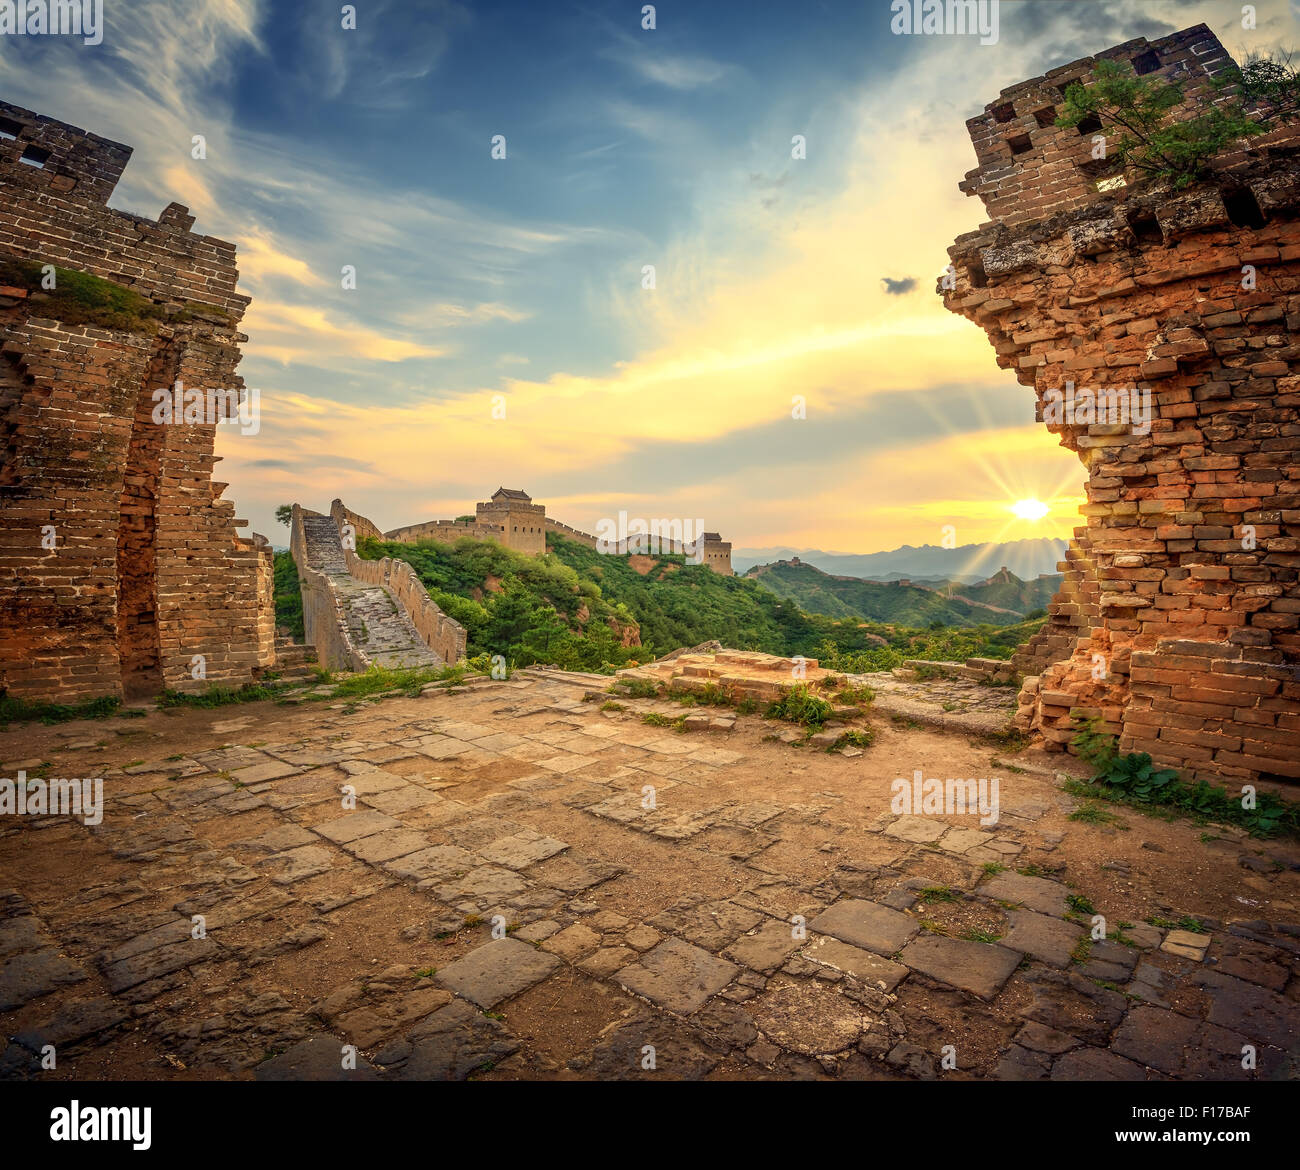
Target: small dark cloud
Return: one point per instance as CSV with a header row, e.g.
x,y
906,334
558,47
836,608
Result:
x,y
896,288
765,182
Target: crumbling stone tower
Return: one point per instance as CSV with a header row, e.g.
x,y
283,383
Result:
x,y
123,572
1178,622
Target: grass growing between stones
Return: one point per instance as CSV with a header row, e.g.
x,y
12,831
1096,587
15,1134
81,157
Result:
x,y
13,710
800,705
1135,781
218,696
78,298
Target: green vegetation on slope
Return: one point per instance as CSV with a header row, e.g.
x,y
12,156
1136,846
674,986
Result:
x,y
571,607
909,605
288,596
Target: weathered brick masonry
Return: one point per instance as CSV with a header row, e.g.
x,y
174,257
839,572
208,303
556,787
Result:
x,y
1183,586
147,569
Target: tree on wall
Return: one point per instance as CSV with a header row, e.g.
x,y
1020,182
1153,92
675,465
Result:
x,y
284,514
1139,109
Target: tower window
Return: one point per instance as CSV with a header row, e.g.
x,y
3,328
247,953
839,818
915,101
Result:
x,y
1019,144
34,156
9,129
1147,62
1004,113
1046,116
1090,125
1242,208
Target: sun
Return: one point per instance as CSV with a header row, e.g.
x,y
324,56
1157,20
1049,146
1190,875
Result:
x,y
1030,509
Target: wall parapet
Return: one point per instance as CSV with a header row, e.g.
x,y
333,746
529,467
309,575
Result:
x,y
443,635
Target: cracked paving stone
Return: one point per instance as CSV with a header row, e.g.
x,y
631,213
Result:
x,y
980,968
1070,1003
808,1017
766,948
318,1058
677,976
129,972
1042,937
679,1052
710,924
1252,962
1022,1064
389,846
356,825
450,1045
438,862
1041,1038
573,942
1033,893
25,977
1249,1009
296,865
874,970
74,1021
1096,1064
1109,961
487,881
368,1024
522,849
1154,1037
498,971
866,924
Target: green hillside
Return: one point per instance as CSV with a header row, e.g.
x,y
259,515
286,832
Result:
x,y
1008,591
576,608
1003,601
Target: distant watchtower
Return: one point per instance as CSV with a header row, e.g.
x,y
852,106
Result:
x,y
521,522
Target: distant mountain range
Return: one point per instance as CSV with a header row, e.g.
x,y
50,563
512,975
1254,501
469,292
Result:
x,y
929,564
1001,600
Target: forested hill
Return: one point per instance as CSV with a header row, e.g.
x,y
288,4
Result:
x,y
1003,600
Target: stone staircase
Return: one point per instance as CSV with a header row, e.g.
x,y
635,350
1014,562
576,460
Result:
x,y
294,661
378,627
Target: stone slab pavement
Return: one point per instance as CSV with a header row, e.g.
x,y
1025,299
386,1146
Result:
x,y
506,881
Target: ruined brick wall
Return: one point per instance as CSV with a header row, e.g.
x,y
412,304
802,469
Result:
x,y
1193,527
141,569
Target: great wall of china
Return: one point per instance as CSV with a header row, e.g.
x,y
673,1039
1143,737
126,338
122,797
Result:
x,y
511,518
1176,625
1177,622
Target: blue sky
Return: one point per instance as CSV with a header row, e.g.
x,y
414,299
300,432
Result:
x,y
518,282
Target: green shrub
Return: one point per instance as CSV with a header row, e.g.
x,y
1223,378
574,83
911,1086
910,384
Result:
x,y
800,705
